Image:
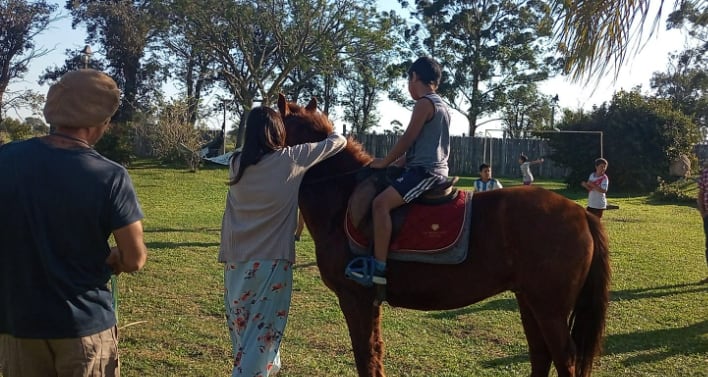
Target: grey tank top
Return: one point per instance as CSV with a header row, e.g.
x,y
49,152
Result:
x,y
432,147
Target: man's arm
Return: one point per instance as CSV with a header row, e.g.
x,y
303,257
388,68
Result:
x,y
130,253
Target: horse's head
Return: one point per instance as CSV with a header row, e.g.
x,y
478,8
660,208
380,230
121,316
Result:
x,y
307,125
303,124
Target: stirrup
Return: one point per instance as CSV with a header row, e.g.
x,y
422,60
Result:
x,y
361,269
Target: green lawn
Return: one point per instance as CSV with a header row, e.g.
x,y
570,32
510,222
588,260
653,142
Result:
x,y
172,318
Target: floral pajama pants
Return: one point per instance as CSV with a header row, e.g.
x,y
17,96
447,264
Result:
x,y
257,301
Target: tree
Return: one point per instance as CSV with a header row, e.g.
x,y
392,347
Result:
x,y
685,82
360,96
686,88
123,29
642,136
525,110
37,125
595,35
184,55
21,99
74,60
15,129
20,22
396,128
486,49
365,71
263,47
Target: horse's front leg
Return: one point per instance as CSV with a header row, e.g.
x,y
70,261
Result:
x,y
364,323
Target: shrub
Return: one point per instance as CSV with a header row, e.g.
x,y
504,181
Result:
x,y
681,190
15,129
173,139
117,143
642,136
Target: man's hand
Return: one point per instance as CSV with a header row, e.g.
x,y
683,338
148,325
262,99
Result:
x,y
130,253
113,260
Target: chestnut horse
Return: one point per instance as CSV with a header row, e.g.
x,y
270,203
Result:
x,y
540,245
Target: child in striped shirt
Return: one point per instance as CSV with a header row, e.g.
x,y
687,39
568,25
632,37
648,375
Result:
x,y
485,181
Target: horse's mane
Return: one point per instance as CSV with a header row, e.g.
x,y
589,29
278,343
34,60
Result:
x,y
357,151
307,124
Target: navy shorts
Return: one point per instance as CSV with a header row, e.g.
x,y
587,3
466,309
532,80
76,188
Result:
x,y
415,181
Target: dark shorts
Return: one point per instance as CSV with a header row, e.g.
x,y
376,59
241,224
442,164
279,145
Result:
x,y
595,211
414,182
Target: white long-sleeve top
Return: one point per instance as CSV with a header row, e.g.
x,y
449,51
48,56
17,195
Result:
x,y
261,209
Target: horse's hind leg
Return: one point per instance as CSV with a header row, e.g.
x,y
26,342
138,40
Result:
x,y
364,323
552,324
557,334
538,351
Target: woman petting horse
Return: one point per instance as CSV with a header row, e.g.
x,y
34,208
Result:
x,y
557,266
257,241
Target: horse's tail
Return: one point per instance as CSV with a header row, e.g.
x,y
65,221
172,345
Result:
x,y
588,317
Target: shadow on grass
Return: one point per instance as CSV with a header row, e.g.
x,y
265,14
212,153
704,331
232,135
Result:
x,y
659,344
505,361
304,265
188,230
644,346
681,203
175,245
652,292
505,304
146,163
571,194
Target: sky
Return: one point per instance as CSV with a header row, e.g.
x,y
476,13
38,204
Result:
x,y
636,71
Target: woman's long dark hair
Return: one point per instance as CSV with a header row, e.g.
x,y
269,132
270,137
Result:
x,y
265,133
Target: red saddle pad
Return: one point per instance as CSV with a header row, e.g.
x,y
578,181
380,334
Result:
x,y
426,228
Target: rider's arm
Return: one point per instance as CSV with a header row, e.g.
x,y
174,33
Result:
x,y
422,112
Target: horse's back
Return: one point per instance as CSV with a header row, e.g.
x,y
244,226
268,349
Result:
x,y
518,209
524,239
530,233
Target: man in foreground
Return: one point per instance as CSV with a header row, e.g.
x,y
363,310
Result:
x,y
61,200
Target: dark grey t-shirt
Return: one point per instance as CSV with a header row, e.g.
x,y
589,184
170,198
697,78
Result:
x,y
432,147
57,210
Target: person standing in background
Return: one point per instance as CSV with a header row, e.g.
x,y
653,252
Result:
x,y
702,201
485,182
597,185
525,166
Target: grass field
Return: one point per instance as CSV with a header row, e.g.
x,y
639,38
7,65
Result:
x,y
172,322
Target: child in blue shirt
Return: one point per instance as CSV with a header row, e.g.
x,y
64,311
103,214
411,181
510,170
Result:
x,y
485,181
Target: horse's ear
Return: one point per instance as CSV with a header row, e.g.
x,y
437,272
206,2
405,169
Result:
x,y
312,106
282,105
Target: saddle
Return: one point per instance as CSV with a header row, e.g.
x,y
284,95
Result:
x,y
434,228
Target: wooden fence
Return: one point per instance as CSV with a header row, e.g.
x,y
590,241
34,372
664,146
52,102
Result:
x,y
467,154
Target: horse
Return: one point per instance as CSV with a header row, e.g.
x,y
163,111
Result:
x,y
546,249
